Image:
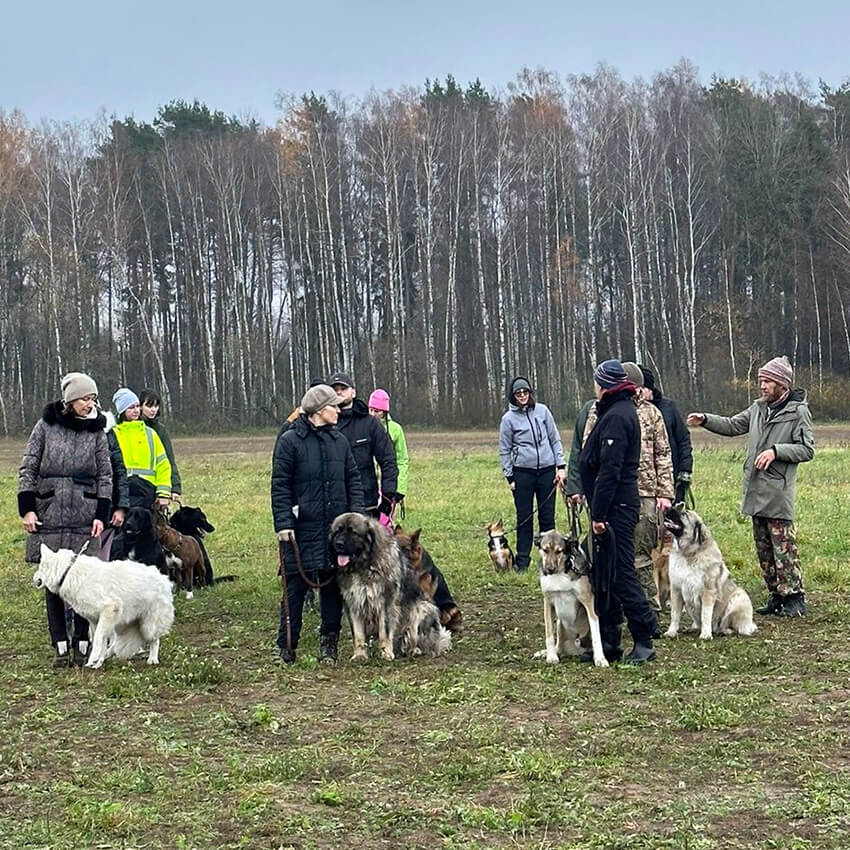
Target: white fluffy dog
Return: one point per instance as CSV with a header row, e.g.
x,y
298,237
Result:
x,y
129,604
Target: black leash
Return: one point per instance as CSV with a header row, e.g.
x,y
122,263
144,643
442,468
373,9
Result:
x,y
536,510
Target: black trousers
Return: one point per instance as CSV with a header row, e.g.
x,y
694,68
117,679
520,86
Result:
x,y
625,594
57,624
531,483
330,602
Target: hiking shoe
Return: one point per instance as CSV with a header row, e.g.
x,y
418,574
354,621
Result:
x,y
328,650
61,660
284,655
612,654
772,606
641,653
793,605
79,659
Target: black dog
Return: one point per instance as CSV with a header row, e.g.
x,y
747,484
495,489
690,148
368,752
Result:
x,y
139,542
193,522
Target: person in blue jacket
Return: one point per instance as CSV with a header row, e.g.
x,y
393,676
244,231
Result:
x,y
532,462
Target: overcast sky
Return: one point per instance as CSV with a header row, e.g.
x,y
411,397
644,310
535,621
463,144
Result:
x,y
62,60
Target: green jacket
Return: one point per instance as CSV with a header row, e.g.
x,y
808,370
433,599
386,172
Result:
x,y
787,430
573,473
396,435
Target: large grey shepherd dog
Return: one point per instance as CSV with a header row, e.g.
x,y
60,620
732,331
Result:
x,y
700,580
381,593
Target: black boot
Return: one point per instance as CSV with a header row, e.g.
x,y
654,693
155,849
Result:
x,y
328,651
642,652
611,648
287,656
793,605
62,659
772,606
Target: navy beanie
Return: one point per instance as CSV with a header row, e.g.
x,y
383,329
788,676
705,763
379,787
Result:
x,y
648,378
610,373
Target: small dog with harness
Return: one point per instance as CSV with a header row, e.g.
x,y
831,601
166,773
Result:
x,y
500,550
187,559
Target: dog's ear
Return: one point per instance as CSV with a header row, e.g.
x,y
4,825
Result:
x,y
370,540
698,532
397,529
679,507
414,538
537,540
45,552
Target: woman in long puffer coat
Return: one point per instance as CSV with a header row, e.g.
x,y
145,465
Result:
x,y
64,494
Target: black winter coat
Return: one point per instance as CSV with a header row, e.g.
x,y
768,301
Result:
x,y
677,433
609,459
313,469
370,443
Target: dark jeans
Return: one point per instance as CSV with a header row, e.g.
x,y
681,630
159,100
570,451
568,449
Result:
x,y
530,483
330,602
57,625
626,595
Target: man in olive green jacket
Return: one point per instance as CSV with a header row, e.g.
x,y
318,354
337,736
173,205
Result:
x,y
779,426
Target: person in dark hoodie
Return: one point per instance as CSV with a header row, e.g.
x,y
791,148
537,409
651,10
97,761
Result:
x,y
681,450
370,444
609,475
151,407
780,436
532,459
64,495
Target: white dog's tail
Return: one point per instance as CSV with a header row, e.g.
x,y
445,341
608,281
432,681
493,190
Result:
x,y
158,620
128,642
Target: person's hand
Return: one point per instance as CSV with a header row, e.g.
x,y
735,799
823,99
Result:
x,y
560,477
177,497
385,506
97,528
287,535
576,498
164,501
765,459
512,485
30,521
696,418
662,504
599,527
118,516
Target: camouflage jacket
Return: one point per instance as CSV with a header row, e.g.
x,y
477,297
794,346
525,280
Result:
x,y
655,467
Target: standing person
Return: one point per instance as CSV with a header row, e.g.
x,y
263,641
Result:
x,y
532,459
151,407
609,474
314,480
779,429
64,491
370,444
379,407
678,435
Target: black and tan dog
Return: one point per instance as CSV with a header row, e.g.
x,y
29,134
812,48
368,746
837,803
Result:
x,y
193,522
569,609
381,593
500,550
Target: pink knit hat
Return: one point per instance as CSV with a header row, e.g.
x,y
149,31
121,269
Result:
x,y
779,370
380,400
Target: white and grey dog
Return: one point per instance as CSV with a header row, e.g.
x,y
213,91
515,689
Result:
x,y
700,581
128,604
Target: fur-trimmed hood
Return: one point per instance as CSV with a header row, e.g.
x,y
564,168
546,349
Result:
x,y
54,414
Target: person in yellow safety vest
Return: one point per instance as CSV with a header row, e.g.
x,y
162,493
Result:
x,y
148,467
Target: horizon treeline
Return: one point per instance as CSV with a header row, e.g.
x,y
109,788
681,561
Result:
x,y
432,241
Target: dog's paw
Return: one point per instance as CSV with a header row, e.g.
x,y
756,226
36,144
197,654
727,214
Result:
x,y
189,594
152,661
359,655
552,658
387,653
704,636
671,633
94,663
541,653
600,662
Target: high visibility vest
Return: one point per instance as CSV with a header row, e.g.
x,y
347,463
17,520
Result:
x,y
144,454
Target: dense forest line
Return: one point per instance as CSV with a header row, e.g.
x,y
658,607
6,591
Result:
x,y
432,241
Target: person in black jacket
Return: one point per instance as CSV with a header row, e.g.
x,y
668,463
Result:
x,y
609,472
314,479
370,443
677,433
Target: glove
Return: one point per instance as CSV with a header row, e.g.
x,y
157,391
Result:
x,y
287,535
386,505
399,498
683,483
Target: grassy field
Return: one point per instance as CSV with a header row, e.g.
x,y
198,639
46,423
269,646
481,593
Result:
x,y
733,743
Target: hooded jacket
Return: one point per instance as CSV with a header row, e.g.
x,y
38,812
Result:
x,y
156,424
396,434
66,478
528,438
786,428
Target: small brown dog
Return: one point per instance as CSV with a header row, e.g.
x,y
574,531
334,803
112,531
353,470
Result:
x,y
182,552
431,580
501,553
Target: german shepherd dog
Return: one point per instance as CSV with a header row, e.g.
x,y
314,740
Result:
x,y
381,593
500,550
700,580
569,610
430,578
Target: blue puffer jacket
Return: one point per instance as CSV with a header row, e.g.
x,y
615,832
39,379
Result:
x,y
528,437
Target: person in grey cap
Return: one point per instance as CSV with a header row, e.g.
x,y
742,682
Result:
x,y
314,480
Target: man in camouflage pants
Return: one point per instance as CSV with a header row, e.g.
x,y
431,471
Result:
x,y
779,429
655,480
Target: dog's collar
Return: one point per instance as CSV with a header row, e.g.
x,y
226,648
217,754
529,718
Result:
x,y
73,561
